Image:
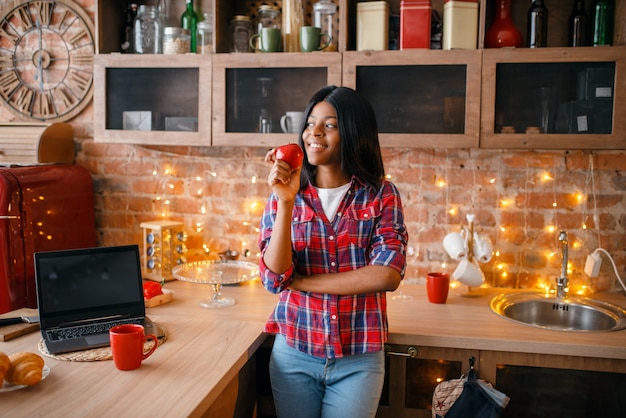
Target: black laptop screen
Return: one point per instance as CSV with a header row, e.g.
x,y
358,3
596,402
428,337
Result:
x,y
88,280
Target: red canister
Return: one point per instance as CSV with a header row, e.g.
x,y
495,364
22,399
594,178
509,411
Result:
x,y
415,17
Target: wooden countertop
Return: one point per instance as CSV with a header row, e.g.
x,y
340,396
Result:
x,y
206,348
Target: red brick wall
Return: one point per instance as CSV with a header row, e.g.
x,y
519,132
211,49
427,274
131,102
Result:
x,y
219,193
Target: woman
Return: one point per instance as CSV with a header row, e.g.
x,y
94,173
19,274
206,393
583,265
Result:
x,y
332,242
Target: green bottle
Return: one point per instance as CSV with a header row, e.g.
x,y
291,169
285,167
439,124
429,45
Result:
x,y
189,21
603,21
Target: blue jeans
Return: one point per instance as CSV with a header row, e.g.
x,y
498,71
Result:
x,y
304,386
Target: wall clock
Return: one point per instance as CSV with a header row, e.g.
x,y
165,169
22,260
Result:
x,y
46,59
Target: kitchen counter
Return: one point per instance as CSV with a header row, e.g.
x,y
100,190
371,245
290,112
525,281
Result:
x,y
206,348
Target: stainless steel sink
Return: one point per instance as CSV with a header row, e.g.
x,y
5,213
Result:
x,y
570,314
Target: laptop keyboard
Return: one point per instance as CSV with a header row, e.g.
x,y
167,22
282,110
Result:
x,y
86,330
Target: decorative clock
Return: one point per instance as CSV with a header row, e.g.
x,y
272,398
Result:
x,y
46,59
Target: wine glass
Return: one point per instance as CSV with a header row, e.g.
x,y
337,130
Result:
x,y
412,253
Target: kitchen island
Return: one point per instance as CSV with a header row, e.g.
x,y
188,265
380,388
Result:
x,y
206,351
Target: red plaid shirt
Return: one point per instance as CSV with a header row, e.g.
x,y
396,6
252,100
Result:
x,y
368,229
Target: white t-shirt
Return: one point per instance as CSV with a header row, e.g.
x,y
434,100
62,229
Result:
x,y
330,199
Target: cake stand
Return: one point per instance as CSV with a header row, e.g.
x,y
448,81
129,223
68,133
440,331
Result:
x,y
216,273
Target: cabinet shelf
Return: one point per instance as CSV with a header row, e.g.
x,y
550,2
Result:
x,y
238,91
422,97
560,98
174,93
438,103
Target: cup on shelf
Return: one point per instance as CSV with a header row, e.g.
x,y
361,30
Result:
x,y
455,244
469,273
127,345
268,39
311,39
290,122
437,286
483,249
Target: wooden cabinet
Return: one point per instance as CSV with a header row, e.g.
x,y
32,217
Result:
x,y
411,374
537,384
252,91
152,99
422,98
562,98
489,98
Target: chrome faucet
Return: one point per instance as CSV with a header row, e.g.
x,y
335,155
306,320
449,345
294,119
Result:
x,y
562,282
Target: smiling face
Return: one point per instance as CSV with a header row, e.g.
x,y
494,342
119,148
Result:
x,y
321,137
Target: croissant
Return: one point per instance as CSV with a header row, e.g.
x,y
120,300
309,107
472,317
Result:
x,y
26,368
5,362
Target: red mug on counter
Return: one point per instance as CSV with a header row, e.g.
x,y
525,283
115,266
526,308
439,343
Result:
x,y
127,345
437,286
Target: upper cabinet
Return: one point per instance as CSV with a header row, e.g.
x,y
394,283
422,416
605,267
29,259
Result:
x,y
551,97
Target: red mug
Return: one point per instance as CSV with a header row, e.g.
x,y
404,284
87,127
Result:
x,y
437,286
127,345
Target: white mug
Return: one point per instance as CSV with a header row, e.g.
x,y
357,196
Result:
x,y
483,250
455,244
469,273
290,122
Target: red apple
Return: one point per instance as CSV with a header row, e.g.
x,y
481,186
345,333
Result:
x,y
292,154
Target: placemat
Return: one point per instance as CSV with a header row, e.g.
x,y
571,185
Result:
x,y
94,354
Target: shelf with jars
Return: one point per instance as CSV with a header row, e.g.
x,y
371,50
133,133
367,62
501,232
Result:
x,y
452,96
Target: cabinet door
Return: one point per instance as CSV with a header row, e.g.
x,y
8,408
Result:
x,y
421,98
152,99
545,385
251,92
563,98
410,381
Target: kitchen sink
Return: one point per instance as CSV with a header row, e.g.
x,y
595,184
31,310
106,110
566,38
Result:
x,y
578,314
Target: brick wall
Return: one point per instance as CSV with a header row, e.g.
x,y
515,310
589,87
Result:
x,y
521,200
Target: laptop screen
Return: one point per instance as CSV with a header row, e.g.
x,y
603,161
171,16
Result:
x,y
91,283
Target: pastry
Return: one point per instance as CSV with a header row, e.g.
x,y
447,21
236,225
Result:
x,y
5,362
26,368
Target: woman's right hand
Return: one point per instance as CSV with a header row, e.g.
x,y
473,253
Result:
x,y
284,181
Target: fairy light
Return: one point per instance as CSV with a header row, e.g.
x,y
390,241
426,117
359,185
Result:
x,y
546,177
453,211
441,183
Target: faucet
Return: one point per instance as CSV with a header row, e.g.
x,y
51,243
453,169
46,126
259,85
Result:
x,y
562,281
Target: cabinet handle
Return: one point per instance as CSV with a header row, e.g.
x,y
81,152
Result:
x,y
411,352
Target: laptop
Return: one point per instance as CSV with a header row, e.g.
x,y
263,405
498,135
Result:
x,y
82,293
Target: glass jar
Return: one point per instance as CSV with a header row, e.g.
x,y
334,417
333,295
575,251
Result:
x,y
324,12
176,41
147,31
205,35
268,17
240,30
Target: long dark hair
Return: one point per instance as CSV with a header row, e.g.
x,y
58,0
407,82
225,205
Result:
x,y
358,130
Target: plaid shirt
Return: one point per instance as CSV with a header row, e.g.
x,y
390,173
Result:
x,y
368,229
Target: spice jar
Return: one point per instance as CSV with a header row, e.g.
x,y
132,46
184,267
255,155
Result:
x,y
176,40
147,31
240,30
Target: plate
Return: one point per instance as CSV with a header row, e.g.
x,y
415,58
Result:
x,y
9,387
203,271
